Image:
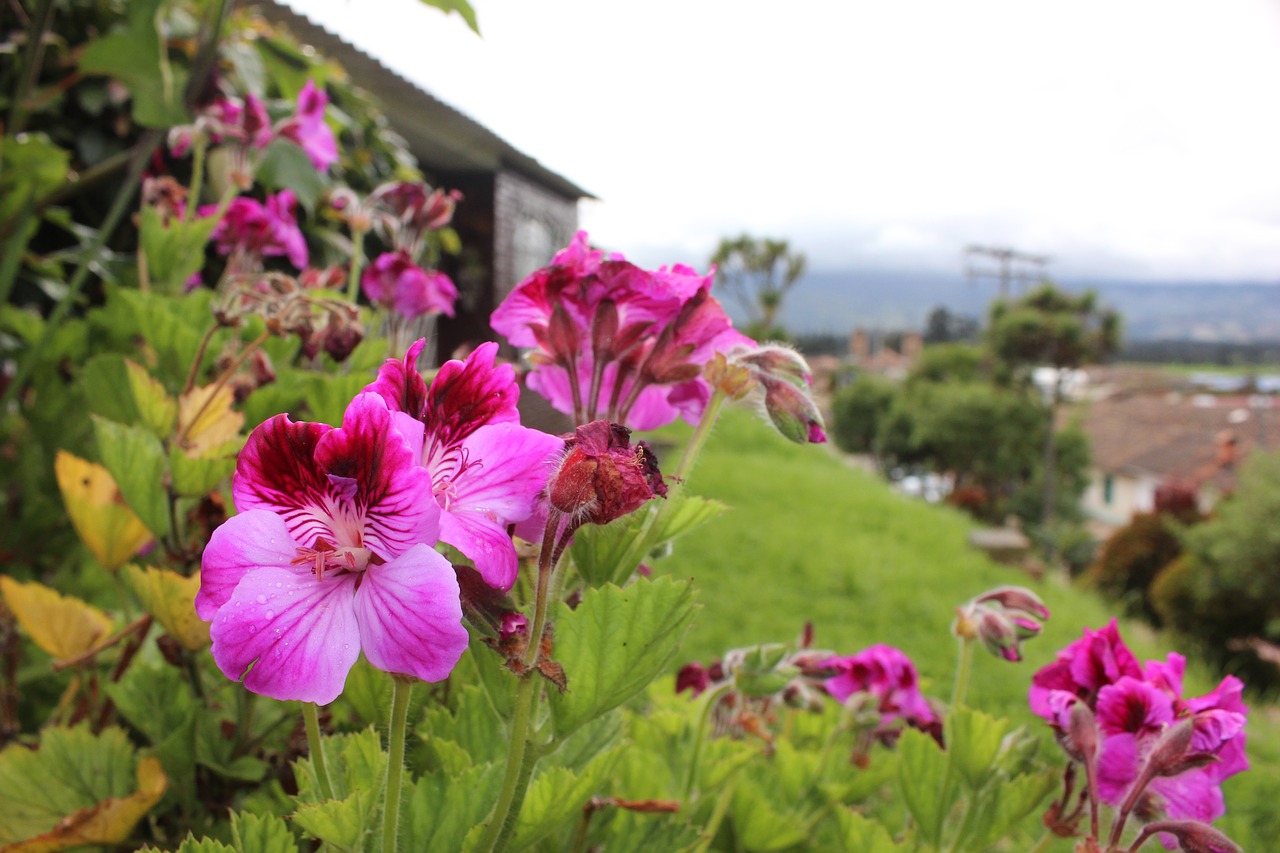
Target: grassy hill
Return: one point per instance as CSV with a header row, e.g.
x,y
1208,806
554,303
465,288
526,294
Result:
x,y
811,539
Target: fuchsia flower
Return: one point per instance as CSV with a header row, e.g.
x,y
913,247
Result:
x,y
330,556
616,341
486,470
394,281
887,676
1134,708
250,230
307,129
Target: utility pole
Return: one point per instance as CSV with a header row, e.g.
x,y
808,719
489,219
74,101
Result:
x,y
1011,266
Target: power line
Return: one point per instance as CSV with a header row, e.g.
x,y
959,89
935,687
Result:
x,y
1012,266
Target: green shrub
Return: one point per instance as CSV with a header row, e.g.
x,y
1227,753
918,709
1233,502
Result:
x,y
1132,558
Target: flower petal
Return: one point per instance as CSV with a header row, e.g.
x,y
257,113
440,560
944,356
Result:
x,y
277,471
299,635
251,540
466,395
410,616
400,384
379,494
485,541
513,465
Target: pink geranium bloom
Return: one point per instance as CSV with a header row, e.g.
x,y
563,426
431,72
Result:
x,y
394,281
887,675
486,470
250,230
1083,668
617,341
307,128
330,556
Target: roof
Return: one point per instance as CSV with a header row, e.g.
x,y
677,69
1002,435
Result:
x,y
1180,436
440,136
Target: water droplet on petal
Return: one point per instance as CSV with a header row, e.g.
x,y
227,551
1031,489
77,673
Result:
x,y
270,614
253,629
262,599
279,586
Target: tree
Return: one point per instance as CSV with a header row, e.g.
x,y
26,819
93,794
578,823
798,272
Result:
x,y
858,411
943,327
1051,328
757,273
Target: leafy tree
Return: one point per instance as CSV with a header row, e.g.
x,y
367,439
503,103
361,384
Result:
x,y
1049,327
943,327
757,273
949,363
858,411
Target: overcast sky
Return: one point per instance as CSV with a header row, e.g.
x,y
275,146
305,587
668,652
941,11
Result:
x,y
1125,138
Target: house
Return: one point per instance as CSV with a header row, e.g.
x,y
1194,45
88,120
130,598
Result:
x,y
1143,441
871,352
516,212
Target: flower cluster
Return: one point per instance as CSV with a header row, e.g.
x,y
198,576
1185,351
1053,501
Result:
x,y
250,231
616,341
1002,618
878,686
1153,752
331,553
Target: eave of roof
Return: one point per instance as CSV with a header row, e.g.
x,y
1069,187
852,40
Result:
x,y
442,137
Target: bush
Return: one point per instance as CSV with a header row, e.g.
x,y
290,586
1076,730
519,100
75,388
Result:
x,y
858,411
1132,558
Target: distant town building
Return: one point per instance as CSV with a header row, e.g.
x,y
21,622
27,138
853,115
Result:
x,y
885,354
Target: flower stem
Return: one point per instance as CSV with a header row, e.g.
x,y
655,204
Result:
x,y
710,415
963,669
357,266
316,748
197,177
1043,844
395,763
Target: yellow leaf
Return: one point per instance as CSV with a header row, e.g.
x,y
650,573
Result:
x,y
108,822
106,525
170,598
206,420
63,626
157,408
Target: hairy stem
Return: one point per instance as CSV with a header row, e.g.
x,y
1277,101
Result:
x,y
964,668
395,764
311,718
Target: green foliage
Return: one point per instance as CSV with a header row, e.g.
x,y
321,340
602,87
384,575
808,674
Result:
x,y
1048,326
949,362
858,411
640,625
137,58
757,273
1132,558
599,551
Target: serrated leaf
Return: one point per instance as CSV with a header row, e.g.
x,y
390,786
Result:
x,y
103,380
63,626
344,823
254,833
758,820
974,739
1007,804
443,807
858,834
174,250
191,844
138,58
156,408
598,550
89,791
460,7
30,166
111,531
194,477
356,761
473,725
921,769
615,643
170,598
555,797
137,463
206,421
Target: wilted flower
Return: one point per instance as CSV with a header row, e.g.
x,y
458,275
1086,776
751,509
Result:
x,y
330,556
602,476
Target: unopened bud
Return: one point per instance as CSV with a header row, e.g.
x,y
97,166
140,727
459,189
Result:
x,y
1016,598
1171,748
1192,836
735,380
792,411
1080,740
779,362
998,634
692,677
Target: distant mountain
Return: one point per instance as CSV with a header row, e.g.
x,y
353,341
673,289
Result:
x,y
828,301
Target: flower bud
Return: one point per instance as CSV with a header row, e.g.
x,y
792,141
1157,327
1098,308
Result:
x,y
602,476
1016,598
1192,836
735,380
792,411
780,362
692,677
998,634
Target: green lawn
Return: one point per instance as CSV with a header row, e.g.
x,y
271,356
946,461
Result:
x,y
811,539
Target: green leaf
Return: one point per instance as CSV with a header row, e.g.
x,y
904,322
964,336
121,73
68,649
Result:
x,y
154,699
328,395
473,725
191,844
103,380
77,788
158,410
761,820
137,463
344,824
556,797
598,550
261,834
922,765
615,643
357,762
974,740
459,7
138,58
175,249
195,477
443,807
1006,804
30,167
286,166
861,835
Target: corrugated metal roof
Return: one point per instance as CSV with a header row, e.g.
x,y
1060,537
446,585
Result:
x,y
442,137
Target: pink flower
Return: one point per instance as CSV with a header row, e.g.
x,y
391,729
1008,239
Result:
x,y
329,556
486,470
395,282
617,341
250,231
307,129
888,676
1083,668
